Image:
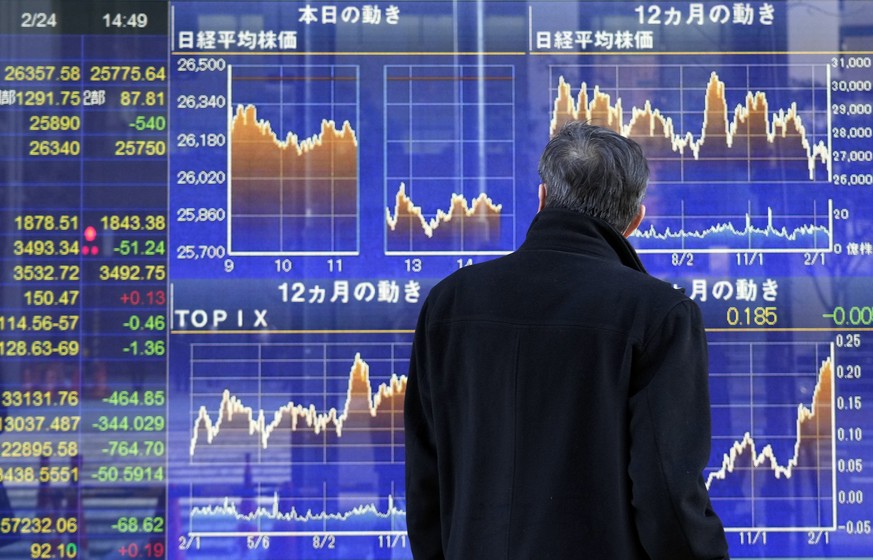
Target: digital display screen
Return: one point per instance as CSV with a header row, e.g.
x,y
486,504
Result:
x,y
219,221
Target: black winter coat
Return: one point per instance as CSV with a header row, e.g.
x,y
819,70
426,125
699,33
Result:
x,y
558,407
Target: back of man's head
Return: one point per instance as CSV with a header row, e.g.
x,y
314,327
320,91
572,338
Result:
x,y
594,171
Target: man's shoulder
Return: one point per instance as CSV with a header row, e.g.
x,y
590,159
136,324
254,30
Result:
x,y
482,272
477,279
659,289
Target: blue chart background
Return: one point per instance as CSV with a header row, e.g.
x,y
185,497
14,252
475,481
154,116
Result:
x,y
449,129
468,136
325,482
756,387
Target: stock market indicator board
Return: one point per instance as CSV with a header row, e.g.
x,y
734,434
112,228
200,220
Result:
x,y
219,221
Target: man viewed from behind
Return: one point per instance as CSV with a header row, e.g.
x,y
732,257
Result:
x,y
557,403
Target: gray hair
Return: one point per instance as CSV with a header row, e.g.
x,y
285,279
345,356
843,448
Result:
x,y
594,171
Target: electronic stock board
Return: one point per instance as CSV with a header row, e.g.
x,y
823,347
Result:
x,y
219,221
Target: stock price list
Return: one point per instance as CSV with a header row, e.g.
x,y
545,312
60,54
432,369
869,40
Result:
x,y
83,119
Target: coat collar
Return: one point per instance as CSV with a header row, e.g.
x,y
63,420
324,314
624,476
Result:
x,y
566,230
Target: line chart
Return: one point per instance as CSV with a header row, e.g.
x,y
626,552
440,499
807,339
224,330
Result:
x,y
364,410
314,404
259,406
297,193
774,438
449,159
716,125
314,429
467,223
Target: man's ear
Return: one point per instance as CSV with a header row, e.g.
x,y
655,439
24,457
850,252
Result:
x,y
541,193
635,223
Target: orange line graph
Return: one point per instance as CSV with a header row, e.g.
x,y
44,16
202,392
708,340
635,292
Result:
x,y
362,410
750,132
293,194
482,209
814,430
248,128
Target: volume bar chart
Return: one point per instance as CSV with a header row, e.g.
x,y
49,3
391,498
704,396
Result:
x,y
750,231
302,517
293,192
